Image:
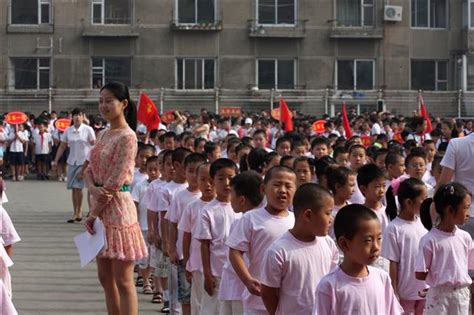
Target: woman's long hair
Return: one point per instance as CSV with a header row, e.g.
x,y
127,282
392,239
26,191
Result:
x,y
120,91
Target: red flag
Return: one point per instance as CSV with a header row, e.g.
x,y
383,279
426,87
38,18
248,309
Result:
x,y
424,113
345,122
147,113
285,115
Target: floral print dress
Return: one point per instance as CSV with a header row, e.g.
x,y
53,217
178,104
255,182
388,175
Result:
x,y
111,166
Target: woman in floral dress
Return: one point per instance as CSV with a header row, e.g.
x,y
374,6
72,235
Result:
x,y
108,177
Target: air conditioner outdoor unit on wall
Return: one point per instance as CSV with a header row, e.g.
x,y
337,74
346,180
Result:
x,y
393,13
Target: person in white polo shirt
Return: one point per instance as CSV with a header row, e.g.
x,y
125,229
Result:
x,y
458,166
79,138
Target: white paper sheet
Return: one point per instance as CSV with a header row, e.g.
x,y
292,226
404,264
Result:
x,y
89,246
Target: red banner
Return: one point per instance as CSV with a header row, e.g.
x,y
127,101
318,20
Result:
x,y
168,117
366,141
62,124
16,118
318,126
230,111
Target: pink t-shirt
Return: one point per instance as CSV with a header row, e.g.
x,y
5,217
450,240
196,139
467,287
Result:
x,y
253,235
357,196
214,225
341,294
296,267
401,241
138,195
7,230
161,199
6,305
446,257
231,287
188,224
151,192
179,202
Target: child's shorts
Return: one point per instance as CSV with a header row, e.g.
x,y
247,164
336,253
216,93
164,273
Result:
x,y
447,300
184,287
17,158
42,158
144,263
162,265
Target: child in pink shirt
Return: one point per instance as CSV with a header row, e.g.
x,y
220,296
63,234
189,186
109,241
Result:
x,y
257,231
191,246
357,159
295,263
446,254
401,240
212,231
245,195
355,287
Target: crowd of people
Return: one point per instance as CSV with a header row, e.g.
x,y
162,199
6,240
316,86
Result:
x,y
222,215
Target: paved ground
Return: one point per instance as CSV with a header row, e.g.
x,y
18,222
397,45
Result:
x,y
47,278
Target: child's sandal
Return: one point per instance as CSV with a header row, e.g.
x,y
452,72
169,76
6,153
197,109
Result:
x,y
147,289
157,298
139,282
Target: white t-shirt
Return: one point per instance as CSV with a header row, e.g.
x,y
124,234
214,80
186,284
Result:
x,y
214,225
357,196
296,267
400,244
79,142
7,230
188,224
15,144
174,214
376,129
138,195
42,147
161,199
341,294
138,177
151,191
253,235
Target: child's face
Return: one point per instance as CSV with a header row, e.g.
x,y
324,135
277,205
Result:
x,y
169,143
237,202
143,155
200,147
215,155
189,144
280,190
169,168
204,183
416,168
179,169
152,170
303,173
260,141
191,174
161,164
289,162
321,219
364,248
436,172
357,158
375,190
396,170
345,191
380,161
299,151
284,148
231,154
274,162
320,150
221,181
463,211
343,159
430,150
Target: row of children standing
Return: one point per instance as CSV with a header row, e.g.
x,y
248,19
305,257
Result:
x,y
209,258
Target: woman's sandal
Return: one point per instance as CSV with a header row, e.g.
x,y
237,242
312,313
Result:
x,y
139,282
157,298
147,289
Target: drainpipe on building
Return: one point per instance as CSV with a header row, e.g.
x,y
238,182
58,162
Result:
x,y
217,100
162,99
50,99
272,97
460,94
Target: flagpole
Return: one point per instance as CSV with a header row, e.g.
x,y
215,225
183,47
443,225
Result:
x,y
162,99
419,100
272,99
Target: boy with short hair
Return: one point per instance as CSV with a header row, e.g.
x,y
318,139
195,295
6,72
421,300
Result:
x,y
299,148
140,174
295,263
283,146
341,156
213,230
212,151
260,140
319,147
245,196
42,145
258,229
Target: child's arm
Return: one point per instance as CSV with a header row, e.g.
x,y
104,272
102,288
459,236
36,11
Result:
x,y
9,250
209,281
421,275
186,251
271,298
164,233
394,276
238,263
152,235
174,259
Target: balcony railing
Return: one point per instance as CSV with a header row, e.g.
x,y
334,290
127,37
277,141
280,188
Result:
x,y
354,28
296,30
210,26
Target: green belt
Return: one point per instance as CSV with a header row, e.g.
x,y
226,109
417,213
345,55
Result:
x,y
124,188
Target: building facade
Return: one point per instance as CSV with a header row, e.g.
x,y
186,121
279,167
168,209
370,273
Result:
x,y
192,54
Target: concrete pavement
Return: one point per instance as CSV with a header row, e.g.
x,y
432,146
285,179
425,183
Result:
x,y
47,278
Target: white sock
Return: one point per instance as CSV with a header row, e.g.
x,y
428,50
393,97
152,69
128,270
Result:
x,y
166,296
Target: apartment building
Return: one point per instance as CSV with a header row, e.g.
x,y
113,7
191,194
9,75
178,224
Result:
x,y
192,54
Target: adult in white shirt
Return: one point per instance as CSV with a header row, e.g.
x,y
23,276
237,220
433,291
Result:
x,y
79,138
458,166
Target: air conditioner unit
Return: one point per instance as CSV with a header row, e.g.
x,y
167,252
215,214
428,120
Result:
x,y
393,13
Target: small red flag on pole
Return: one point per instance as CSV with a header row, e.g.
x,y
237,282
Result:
x,y
345,122
424,113
147,113
285,115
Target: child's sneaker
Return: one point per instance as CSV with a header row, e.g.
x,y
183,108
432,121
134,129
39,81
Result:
x,y
166,307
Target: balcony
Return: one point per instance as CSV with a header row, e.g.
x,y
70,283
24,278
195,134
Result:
x,y
297,30
115,28
216,26
355,30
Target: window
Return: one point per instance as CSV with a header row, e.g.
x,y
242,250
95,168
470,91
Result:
x,y
429,13
276,11
31,73
105,70
470,13
195,74
276,73
111,11
355,13
31,12
429,75
355,74
196,11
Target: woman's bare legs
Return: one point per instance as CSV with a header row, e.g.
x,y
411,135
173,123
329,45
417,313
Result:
x,y
123,276
106,278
